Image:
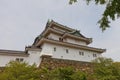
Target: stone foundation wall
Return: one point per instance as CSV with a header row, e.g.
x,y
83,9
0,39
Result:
x,y
52,63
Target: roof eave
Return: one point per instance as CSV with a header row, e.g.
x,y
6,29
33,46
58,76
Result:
x,y
70,45
87,40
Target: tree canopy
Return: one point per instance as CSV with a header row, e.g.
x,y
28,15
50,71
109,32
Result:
x,y
22,71
106,69
111,12
19,71
62,73
103,69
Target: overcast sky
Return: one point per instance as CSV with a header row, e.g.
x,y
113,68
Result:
x,y
23,20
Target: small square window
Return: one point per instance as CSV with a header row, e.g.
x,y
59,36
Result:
x,y
21,59
17,59
54,48
94,55
60,39
81,53
61,56
67,51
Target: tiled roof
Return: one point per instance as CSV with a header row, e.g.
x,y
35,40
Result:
x,y
50,23
77,33
56,23
13,53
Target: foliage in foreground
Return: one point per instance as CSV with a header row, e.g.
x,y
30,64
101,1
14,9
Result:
x,y
106,69
103,69
67,73
19,71
22,71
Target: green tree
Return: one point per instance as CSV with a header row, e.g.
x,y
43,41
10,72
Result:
x,y
20,71
45,74
78,75
67,73
104,69
112,11
64,73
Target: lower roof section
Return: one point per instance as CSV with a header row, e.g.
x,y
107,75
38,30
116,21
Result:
x,y
14,53
45,40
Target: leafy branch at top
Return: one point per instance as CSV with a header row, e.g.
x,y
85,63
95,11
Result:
x,y
112,11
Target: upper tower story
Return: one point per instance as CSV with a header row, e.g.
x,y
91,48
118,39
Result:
x,y
56,41
62,42
58,32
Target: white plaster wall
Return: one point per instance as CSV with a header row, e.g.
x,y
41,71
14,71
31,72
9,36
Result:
x,y
73,54
69,40
75,41
47,49
33,58
4,59
53,36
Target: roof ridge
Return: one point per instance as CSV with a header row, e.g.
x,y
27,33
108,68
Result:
x,y
52,21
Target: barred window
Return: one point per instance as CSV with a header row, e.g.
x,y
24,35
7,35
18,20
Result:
x,y
54,48
19,59
94,55
67,51
81,53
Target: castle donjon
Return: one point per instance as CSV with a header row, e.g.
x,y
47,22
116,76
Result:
x,y
56,42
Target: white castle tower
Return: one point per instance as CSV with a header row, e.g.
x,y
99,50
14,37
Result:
x,y
58,42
